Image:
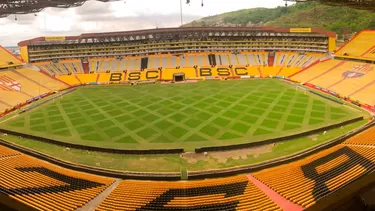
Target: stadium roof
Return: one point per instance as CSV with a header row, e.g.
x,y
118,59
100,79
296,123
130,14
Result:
x,y
159,33
8,7
357,4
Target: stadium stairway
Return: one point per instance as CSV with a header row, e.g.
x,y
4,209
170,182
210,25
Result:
x,y
85,66
271,60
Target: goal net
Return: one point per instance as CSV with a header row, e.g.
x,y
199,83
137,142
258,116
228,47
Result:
x,y
301,88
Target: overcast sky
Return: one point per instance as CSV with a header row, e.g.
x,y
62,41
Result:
x,y
122,15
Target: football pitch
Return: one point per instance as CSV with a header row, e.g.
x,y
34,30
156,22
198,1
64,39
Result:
x,y
207,113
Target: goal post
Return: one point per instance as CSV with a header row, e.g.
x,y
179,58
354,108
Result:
x,y
303,89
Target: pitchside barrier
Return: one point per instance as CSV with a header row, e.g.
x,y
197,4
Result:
x,y
93,170
328,98
277,161
315,93
46,101
191,175
275,140
338,95
92,148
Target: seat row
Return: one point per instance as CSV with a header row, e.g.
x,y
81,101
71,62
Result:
x,y
286,59
306,181
232,193
353,80
43,186
365,138
6,152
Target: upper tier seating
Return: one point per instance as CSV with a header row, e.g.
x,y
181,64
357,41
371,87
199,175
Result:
x,y
350,79
7,59
232,193
285,64
44,186
361,46
155,61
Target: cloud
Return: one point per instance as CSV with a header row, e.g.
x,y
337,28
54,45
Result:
x,y
95,16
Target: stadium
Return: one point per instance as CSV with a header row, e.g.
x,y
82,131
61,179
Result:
x,y
189,118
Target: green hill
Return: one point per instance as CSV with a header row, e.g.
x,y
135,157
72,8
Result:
x,y
342,20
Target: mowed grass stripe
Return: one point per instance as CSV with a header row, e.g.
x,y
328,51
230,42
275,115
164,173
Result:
x,y
206,113
172,117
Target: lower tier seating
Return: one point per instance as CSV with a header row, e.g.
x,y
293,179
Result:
x,y
19,85
44,186
232,193
364,138
9,99
350,79
6,152
306,181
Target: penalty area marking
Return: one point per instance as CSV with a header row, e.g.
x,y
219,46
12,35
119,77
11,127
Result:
x,y
355,109
9,118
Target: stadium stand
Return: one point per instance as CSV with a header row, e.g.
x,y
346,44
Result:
x,y
306,181
180,41
348,78
41,79
286,64
11,98
20,83
6,152
232,193
62,67
365,138
69,79
362,47
33,87
7,59
303,183
43,186
86,78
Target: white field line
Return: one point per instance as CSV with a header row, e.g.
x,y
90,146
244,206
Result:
x,y
9,118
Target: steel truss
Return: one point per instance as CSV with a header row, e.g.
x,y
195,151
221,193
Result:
x,y
8,7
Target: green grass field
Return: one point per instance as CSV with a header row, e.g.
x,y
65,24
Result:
x,y
174,162
186,116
